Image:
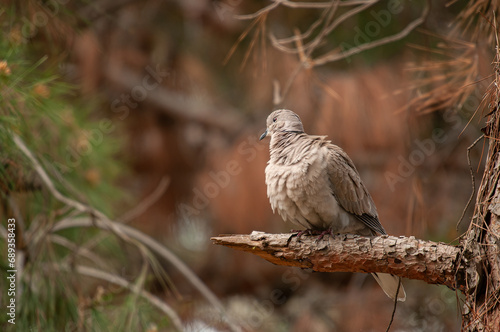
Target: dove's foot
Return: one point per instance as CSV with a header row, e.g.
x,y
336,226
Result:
x,y
299,233
296,233
323,233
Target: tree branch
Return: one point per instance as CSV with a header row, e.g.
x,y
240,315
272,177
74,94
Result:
x,y
335,56
432,262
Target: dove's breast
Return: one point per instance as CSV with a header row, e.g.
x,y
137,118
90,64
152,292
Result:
x,y
302,194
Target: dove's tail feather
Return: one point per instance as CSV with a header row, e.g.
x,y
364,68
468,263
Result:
x,y
389,284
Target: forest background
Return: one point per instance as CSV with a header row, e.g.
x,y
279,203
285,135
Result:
x,y
129,136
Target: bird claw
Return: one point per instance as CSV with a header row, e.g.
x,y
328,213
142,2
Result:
x,y
323,233
299,233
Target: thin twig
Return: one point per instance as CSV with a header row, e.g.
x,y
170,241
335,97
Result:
x,y
45,178
240,39
347,15
135,212
305,63
289,82
395,305
60,197
261,22
472,178
301,5
114,279
139,286
328,27
276,92
279,42
264,10
328,58
70,245
319,5
145,204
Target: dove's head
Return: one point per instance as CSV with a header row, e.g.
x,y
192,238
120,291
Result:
x,y
283,121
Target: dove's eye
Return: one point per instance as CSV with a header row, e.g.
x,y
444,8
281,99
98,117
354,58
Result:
x,y
274,119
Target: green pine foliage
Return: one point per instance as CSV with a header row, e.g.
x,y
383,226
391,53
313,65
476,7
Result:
x,y
49,115
78,150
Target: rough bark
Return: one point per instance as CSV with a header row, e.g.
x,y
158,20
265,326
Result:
x,y
482,306
432,262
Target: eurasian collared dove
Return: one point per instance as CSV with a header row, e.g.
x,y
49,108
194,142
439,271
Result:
x,y
314,184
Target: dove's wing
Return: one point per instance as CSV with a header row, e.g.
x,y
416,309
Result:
x,y
349,191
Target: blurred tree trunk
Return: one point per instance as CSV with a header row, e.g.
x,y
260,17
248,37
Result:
x,y
482,307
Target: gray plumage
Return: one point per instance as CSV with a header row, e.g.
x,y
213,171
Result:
x,y
314,184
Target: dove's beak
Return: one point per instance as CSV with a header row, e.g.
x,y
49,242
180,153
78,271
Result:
x,y
263,135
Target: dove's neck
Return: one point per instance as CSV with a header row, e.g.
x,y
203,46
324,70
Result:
x,y
288,148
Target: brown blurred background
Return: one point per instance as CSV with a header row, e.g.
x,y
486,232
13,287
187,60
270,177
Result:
x,y
191,109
